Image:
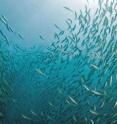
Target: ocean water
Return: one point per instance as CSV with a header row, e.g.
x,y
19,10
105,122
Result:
x,y
58,62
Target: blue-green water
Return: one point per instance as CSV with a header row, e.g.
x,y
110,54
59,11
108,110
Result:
x,y
71,79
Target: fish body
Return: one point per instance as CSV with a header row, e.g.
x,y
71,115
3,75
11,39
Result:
x,y
20,36
86,87
3,20
26,117
94,66
111,80
50,104
96,93
74,118
68,9
115,104
40,72
73,100
33,113
92,122
93,112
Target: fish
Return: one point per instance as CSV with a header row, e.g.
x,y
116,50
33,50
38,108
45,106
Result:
x,y
41,37
68,24
68,9
57,27
96,93
5,37
86,87
20,36
102,105
94,66
74,101
56,36
74,118
115,115
82,79
92,122
33,113
94,112
51,104
73,28
86,120
115,104
114,122
3,20
26,117
111,80
61,32
76,16
70,20
9,28
67,101
40,72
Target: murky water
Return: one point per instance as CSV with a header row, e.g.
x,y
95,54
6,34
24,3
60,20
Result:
x,y
58,70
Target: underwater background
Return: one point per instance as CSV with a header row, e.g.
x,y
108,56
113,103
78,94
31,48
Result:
x,y
58,62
